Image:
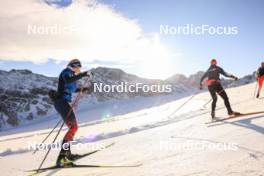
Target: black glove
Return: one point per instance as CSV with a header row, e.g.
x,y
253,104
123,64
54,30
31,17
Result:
x,y
87,73
234,77
88,90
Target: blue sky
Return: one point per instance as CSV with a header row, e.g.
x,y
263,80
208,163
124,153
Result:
x,y
240,54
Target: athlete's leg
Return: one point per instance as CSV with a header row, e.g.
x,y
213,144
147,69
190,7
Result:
x,y
67,113
222,93
212,91
260,84
73,127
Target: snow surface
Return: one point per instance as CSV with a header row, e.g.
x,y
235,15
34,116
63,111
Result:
x,y
166,145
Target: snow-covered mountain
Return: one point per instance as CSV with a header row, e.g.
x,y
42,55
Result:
x,y
23,94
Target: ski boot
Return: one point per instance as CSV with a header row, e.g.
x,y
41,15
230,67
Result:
x,y
73,157
234,114
257,95
63,158
63,161
70,156
213,116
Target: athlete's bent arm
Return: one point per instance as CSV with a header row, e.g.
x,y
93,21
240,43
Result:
x,y
227,74
69,78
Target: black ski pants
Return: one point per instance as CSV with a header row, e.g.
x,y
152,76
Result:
x,y
215,89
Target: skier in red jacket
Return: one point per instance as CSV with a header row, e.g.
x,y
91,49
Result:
x,y
260,78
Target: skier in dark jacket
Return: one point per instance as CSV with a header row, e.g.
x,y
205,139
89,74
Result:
x,y
67,86
215,87
260,78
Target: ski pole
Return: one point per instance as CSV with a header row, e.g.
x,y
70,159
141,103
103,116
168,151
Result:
x,y
73,106
204,106
48,135
46,155
50,148
183,104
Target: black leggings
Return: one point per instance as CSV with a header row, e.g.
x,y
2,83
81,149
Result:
x,y
217,88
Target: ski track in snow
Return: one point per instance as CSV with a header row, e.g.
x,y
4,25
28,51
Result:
x,y
137,135
104,136
94,112
114,134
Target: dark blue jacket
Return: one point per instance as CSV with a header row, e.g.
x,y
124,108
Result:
x,y
67,84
